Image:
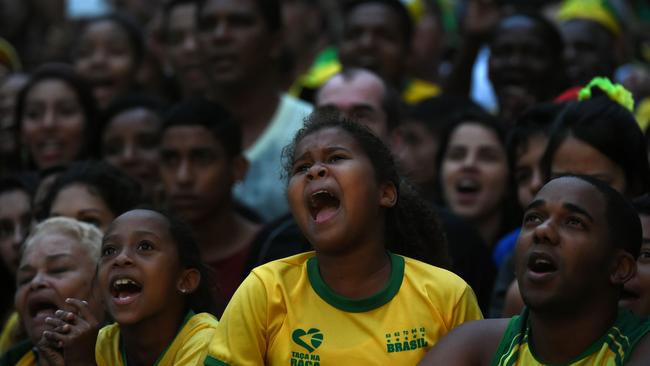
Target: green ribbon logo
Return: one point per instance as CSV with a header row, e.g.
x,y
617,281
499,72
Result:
x,y
314,336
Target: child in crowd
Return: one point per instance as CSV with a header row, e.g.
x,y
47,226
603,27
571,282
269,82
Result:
x,y
157,290
130,139
108,55
353,299
636,294
92,192
575,251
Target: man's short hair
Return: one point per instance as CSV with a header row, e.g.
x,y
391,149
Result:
x,y
212,116
396,6
270,10
390,101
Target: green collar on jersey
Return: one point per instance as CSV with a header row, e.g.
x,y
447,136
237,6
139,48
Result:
x,y
188,316
357,305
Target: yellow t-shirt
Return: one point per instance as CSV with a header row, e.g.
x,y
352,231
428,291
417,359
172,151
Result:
x,y
29,359
188,348
11,332
285,314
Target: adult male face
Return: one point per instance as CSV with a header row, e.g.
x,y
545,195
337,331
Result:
x,y
565,257
182,49
196,171
375,38
523,65
588,51
359,96
238,42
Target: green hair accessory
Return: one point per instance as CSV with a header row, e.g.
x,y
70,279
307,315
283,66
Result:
x,y
615,92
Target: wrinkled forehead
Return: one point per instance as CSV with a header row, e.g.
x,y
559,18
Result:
x,y
53,244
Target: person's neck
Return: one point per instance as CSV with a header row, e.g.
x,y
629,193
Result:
x,y
213,244
252,106
489,227
144,342
356,274
560,339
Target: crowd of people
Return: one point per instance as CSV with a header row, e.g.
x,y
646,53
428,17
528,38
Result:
x,y
310,182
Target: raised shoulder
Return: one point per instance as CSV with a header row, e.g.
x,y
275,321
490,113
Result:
x,y
471,344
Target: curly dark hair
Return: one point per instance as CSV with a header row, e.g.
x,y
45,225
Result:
x,y
412,229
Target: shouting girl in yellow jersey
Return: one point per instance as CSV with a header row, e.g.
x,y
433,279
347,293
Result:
x,y
353,300
154,286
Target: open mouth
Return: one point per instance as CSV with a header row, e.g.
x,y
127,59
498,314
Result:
x,y
467,191
541,263
323,205
42,308
50,147
468,186
124,290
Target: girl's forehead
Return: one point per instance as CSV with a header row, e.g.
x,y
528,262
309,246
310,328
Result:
x,y
326,137
140,220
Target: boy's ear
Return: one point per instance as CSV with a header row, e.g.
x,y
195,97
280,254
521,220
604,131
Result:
x,y
239,167
387,195
623,268
188,281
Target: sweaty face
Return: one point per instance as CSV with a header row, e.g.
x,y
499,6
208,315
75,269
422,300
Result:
x,y
588,51
373,39
416,149
577,157
528,174
236,41
53,124
182,48
474,172
106,59
139,269
333,193
130,143
636,295
15,223
563,238
78,201
53,268
359,99
196,171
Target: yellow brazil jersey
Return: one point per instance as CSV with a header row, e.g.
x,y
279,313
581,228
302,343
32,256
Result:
x,y
612,349
188,348
29,359
285,314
